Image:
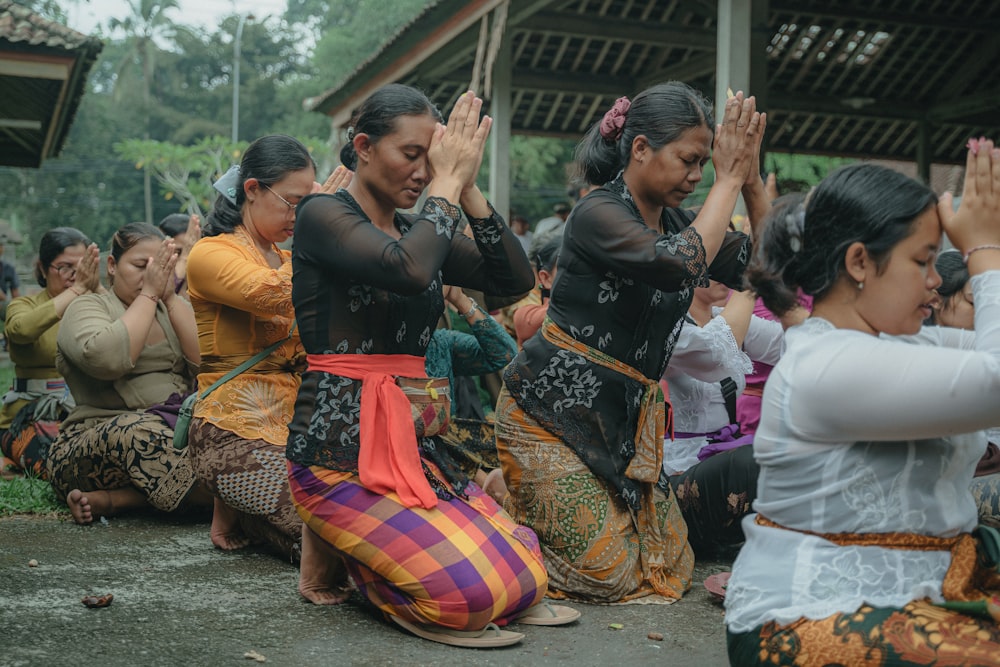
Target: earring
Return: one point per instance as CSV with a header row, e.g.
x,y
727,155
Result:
x,y
861,285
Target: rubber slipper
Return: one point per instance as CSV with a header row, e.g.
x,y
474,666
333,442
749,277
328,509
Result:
x,y
545,613
489,637
716,585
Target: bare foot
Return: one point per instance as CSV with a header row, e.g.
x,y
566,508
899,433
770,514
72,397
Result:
x,y
322,574
79,506
85,505
225,531
495,486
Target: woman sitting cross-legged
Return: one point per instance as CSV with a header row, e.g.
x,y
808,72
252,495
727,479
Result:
x,y
122,353
367,470
864,547
66,269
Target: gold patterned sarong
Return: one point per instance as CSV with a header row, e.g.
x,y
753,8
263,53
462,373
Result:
x,y
596,547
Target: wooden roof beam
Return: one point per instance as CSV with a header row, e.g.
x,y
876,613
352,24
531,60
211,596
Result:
x,y
609,28
692,68
958,109
562,82
834,106
881,20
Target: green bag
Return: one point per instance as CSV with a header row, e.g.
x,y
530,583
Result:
x,y
187,407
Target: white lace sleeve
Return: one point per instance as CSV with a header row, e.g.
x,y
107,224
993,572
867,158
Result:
x,y
940,337
764,341
708,353
923,391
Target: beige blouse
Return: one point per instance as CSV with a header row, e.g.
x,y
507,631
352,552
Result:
x,y
93,355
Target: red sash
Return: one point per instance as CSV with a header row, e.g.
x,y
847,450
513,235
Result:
x,y
389,460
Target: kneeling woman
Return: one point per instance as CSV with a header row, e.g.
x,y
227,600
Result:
x,y
863,551
421,542
122,353
579,423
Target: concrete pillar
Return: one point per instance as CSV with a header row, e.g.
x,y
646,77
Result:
x,y
500,110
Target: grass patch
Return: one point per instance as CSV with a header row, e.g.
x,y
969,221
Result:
x,y
29,495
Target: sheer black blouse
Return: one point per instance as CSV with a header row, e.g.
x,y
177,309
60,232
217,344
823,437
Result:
x,y
356,290
623,289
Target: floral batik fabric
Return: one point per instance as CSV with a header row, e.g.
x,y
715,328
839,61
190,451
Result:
x,y
918,634
592,542
623,290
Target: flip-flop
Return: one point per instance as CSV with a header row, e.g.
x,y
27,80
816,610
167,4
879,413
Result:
x,y
489,637
716,585
545,613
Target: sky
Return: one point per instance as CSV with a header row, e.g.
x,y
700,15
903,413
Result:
x,y
86,15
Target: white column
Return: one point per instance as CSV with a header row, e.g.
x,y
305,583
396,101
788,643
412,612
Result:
x,y
732,56
500,103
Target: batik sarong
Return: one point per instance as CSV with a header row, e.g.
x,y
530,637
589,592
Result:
x,y
918,634
250,477
131,449
588,535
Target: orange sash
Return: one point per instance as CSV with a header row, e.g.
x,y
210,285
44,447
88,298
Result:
x,y
646,465
388,460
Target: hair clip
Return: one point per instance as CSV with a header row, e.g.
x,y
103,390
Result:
x,y
226,184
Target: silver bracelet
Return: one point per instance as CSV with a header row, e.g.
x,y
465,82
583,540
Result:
x,y
988,246
472,310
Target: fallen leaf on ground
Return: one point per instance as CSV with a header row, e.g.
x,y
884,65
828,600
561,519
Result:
x,y
253,655
96,601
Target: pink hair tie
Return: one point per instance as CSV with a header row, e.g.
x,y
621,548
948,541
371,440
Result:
x,y
613,122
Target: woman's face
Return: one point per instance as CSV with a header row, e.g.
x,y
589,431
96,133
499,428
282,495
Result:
x,y
62,271
714,295
958,311
271,207
396,166
126,275
669,175
898,300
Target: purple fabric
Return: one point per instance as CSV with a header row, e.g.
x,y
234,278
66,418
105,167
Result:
x,y
168,409
726,438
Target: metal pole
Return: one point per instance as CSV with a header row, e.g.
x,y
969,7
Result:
x,y
236,75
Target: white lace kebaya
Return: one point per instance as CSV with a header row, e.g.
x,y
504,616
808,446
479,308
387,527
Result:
x,y
703,357
860,434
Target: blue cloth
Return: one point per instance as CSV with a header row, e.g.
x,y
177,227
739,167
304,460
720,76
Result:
x,y
487,349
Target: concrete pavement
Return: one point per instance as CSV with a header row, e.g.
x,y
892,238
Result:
x,y
179,601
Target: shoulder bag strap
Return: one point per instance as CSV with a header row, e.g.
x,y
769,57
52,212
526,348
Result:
x,y
248,364
729,396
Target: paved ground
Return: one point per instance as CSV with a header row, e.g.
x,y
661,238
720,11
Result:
x,y
178,601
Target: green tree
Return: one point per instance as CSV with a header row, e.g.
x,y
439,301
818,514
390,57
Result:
x,y
146,23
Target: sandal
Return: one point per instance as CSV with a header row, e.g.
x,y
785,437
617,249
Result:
x,y
545,613
489,637
716,585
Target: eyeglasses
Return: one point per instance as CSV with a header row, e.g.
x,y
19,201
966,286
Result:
x,y
65,270
287,203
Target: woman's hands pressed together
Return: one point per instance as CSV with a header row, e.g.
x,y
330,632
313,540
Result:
x,y
456,150
976,224
158,278
339,178
737,141
88,271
